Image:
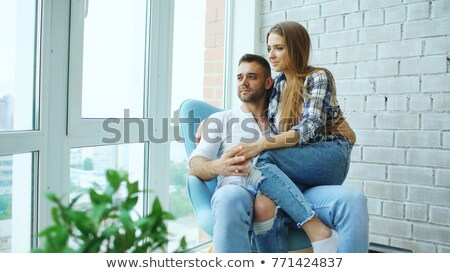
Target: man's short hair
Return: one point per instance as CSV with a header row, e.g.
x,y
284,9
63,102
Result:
x,y
248,58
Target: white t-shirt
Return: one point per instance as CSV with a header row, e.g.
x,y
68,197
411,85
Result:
x,y
221,132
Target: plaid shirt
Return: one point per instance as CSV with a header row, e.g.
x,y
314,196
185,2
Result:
x,y
318,106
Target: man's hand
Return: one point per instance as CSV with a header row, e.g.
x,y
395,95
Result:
x,y
198,134
227,165
230,164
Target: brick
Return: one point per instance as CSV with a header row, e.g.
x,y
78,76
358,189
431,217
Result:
x,y
409,48
374,206
420,103
270,19
418,29
356,154
339,39
285,4
355,103
418,11
355,87
414,246
425,65
374,137
353,20
378,239
439,45
376,103
384,33
361,121
370,4
374,17
303,13
435,158
410,175
431,233
383,155
395,14
436,83
390,227
440,215
398,85
393,209
324,56
335,23
385,191
397,103
377,69
366,171
426,195
443,249
397,121
416,212
357,53
316,26
265,6
418,139
354,184
436,121
310,2
339,7
443,178
441,102
342,71
446,139
441,8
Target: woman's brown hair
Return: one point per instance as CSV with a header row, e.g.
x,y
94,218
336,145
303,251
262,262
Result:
x,y
298,45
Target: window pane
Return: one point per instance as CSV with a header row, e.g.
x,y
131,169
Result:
x,y
89,165
15,202
18,63
113,58
202,24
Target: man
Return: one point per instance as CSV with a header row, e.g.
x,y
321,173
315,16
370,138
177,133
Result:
x,y
341,208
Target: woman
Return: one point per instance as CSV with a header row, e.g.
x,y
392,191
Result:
x,y
298,155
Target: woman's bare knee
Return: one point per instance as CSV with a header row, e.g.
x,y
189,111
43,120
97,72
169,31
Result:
x,y
264,208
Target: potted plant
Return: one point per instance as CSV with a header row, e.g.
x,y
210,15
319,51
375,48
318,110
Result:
x,y
110,224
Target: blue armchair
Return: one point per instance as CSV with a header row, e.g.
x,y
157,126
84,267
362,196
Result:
x,y
200,192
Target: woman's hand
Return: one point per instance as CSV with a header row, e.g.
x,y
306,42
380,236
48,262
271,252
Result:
x,y
250,150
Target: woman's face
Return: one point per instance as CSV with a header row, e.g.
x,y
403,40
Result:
x,y
277,50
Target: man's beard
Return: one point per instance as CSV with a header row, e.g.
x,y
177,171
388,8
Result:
x,y
251,97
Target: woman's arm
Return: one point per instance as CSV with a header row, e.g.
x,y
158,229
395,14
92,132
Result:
x,y
311,124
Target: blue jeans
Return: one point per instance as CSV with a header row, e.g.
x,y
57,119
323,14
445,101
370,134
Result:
x,y
340,208
282,174
232,208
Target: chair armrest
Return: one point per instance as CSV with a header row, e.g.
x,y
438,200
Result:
x,y
200,197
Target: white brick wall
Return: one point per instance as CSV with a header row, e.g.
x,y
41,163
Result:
x,y
391,61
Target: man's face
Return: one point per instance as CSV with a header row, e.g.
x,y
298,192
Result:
x,y
251,82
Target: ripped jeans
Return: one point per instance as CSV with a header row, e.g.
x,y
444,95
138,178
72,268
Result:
x,y
341,208
282,174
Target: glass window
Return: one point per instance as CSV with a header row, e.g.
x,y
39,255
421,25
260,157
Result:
x,y
15,202
88,167
113,58
18,55
202,24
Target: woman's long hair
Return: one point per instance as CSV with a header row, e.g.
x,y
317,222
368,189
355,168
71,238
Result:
x,y
298,45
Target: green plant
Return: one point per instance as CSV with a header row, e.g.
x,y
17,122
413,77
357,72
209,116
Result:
x,y
110,224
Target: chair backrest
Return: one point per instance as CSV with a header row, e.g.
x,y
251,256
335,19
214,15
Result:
x,y
192,112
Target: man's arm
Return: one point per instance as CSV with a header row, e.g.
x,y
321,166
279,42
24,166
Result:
x,y
227,165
